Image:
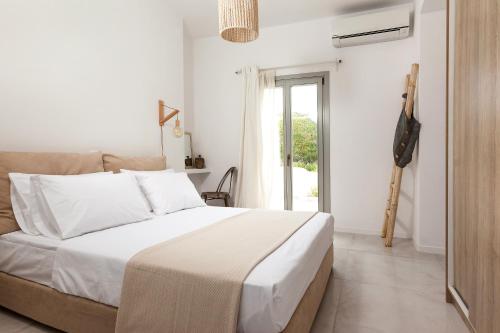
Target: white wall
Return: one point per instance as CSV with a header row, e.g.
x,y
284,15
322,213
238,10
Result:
x,y
87,75
429,233
365,104
188,81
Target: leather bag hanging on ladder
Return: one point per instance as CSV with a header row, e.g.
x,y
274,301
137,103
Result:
x,y
407,133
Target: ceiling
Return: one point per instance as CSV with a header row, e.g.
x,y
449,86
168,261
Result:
x,y
200,16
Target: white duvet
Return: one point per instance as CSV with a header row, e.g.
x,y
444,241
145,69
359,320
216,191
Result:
x,y
93,265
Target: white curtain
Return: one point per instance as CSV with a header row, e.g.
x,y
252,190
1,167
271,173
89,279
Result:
x,y
257,157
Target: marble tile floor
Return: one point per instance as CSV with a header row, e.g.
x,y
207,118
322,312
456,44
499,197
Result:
x,y
385,290
373,290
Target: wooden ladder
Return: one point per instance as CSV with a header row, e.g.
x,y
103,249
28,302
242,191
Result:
x,y
391,208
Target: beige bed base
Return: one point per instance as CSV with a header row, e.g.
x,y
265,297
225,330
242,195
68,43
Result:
x,y
79,315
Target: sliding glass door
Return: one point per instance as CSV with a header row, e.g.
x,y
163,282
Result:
x,y
302,111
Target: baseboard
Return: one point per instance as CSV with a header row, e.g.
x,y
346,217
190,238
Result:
x,y
419,248
369,232
461,308
430,249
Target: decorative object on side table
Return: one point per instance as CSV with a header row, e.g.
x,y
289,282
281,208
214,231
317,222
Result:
x,y
188,162
199,162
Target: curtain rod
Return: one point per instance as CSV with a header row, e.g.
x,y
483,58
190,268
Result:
x,y
336,62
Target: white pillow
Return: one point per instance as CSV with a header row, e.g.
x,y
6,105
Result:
x,y
76,205
22,210
24,203
145,173
170,192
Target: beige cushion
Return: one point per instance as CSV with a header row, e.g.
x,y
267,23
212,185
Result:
x,y
39,163
115,163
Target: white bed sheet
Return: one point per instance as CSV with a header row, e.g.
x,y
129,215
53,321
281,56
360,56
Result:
x,y
93,265
27,256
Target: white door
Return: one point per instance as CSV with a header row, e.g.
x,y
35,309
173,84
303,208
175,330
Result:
x,y
304,142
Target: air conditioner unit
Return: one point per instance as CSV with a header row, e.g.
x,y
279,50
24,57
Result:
x,y
372,28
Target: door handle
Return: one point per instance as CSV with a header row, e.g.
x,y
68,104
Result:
x,y
288,159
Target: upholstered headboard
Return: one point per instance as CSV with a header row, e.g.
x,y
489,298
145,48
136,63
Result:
x,y
39,163
61,164
115,163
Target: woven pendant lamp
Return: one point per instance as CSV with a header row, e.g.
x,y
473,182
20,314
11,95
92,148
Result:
x,y
239,20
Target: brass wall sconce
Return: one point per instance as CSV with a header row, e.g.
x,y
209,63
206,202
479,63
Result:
x,y
178,132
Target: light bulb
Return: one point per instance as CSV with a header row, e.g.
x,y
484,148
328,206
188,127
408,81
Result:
x,y
178,132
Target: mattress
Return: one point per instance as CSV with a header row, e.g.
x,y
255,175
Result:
x,y
93,265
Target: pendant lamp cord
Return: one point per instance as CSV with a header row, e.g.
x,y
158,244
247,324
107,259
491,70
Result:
x,y
161,140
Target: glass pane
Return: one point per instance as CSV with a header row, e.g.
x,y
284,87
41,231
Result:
x,y
304,108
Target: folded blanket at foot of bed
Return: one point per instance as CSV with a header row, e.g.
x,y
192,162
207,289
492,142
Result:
x,y
193,283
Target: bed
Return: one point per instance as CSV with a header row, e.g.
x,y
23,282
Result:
x,y
75,284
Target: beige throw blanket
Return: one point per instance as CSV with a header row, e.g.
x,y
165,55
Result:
x,y
193,283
